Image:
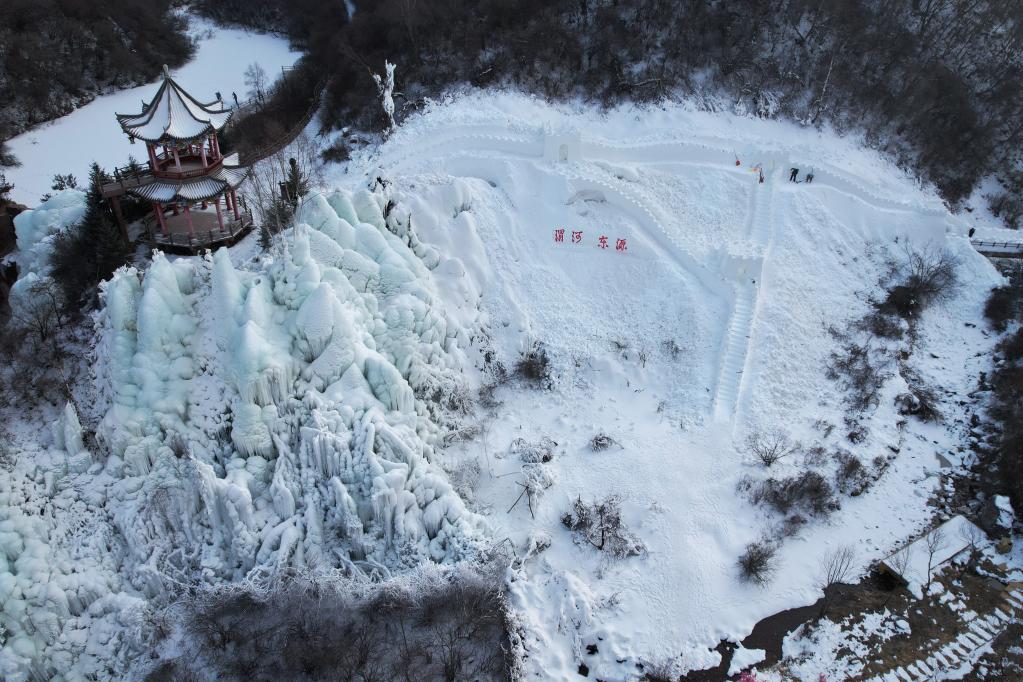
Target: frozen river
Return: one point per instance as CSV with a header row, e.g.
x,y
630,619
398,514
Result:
x,y
91,133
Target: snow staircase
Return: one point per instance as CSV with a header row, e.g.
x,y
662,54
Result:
x,y
736,347
977,634
760,214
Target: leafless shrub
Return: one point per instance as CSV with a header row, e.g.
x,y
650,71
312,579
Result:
x,y
671,348
862,370
851,477
808,492
791,525
769,446
882,325
534,366
756,563
824,426
835,568
536,480
602,441
920,400
452,629
465,478
533,452
600,525
927,276
815,456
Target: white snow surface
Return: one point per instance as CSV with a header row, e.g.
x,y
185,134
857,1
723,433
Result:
x,y
91,133
294,410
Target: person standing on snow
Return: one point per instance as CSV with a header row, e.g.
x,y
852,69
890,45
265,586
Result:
x,y
973,231
809,177
793,174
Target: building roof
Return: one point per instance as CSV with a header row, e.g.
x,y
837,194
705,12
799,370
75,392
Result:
x,y
227,176
174,115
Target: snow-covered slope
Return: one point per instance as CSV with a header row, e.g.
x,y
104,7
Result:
x,y
300,410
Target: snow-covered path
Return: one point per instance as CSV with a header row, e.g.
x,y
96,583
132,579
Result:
x,y
91,133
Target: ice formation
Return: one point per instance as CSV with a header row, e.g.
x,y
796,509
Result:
x,y
36,229
314,446
271,417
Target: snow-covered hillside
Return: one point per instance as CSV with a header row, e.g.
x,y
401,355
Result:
x,y
91,133
317,408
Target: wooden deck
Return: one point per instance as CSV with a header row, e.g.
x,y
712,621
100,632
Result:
x,y
208,234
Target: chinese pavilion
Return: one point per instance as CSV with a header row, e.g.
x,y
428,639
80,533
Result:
x,y
187,175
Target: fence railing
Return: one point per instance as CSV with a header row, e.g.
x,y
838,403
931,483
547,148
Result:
x,y
232,229
998,245
252,156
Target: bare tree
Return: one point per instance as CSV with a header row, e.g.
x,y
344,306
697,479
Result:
x,y
255,79
769,446
263,188
836,567
935,542
974,537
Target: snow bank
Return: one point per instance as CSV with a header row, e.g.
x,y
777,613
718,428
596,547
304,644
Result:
x,y
35,229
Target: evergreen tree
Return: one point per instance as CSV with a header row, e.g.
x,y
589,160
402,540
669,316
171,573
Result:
x,y
89,252
297,183
5,189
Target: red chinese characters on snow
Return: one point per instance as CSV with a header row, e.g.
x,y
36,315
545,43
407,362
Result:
x,y
603,241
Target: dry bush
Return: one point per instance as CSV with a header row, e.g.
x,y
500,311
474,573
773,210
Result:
x,y
602,441
534,366
769,446
927,276
600,525
851,477
861,370
756,563
533,452
452,630
808,492
920,400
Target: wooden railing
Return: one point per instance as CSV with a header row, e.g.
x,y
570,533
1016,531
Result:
x,y
233,229
252,156
980,244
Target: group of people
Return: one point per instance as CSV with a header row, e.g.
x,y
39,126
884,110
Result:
x,y
794,176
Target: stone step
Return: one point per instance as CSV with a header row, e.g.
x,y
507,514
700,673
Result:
x,y
973,639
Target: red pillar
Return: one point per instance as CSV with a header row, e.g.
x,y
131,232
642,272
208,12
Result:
x,y
234,203
159,217
151,148
177,160
220,218
202,153
216,145
188,219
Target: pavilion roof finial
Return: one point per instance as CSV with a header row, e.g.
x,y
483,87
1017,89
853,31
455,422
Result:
x,y
166,71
